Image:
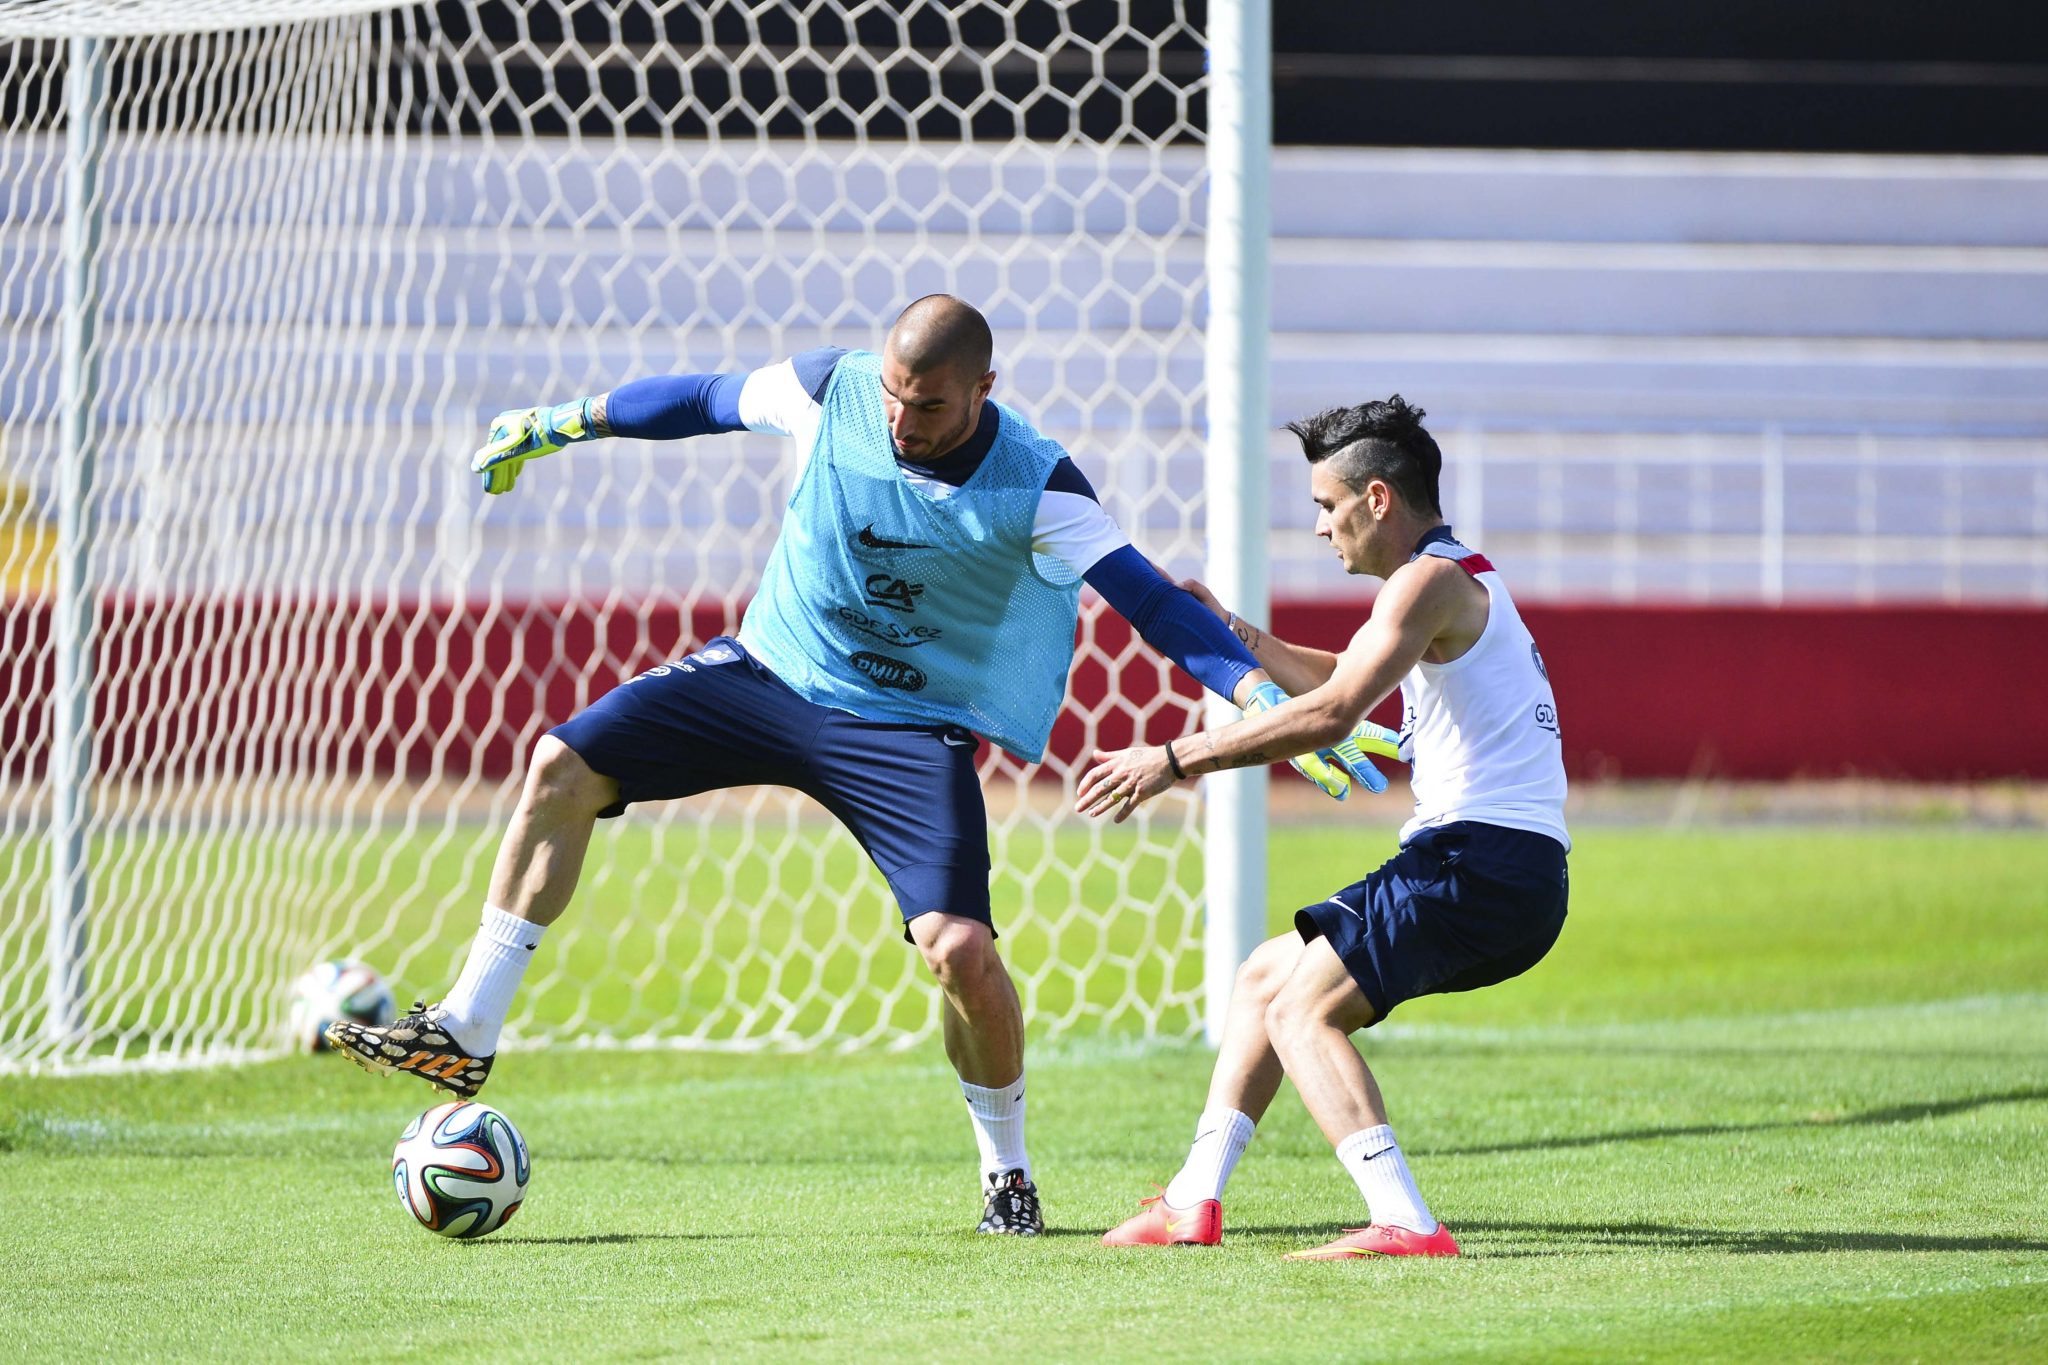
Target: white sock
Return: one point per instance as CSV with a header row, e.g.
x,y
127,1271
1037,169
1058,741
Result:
x,y
998,1116
1221,1136
1375,1162
475,1009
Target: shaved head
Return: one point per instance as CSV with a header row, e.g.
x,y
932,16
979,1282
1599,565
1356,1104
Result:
x,y
940,332
935,377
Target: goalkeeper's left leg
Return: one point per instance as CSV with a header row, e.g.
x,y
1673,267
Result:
x,y
983,1028
911,795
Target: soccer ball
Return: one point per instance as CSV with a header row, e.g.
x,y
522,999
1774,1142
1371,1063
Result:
x,y
343,989
461,1169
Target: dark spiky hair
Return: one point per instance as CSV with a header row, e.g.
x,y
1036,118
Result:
x,y
1377,440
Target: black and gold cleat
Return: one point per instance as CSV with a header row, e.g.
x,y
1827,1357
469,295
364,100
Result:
x,y
417,1042
1012,1207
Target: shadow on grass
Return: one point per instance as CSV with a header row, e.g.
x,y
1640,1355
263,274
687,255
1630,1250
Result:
x,y
1896,1113
1571,1238
628,1238
606,1239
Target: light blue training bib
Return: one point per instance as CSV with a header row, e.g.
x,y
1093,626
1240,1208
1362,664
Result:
x,y
897,606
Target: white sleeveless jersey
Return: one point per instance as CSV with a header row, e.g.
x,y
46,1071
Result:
x,y
1480,733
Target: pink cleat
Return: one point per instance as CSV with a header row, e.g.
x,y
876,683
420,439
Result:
x,y
1159,1224
1381,1239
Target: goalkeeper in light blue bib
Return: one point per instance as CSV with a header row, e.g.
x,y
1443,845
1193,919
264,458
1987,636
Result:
x,y
922,595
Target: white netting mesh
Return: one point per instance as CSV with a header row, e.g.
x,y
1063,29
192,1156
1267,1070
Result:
x,y
327,250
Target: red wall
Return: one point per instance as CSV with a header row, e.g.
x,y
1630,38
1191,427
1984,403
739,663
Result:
x,y
1931,693
192,688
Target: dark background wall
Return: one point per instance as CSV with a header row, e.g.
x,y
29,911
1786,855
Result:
x,y
1790,75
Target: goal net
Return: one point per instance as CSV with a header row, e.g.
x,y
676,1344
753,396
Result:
x,y
272,663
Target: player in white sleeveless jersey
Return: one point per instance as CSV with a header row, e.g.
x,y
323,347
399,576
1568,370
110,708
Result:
x,y
1475,895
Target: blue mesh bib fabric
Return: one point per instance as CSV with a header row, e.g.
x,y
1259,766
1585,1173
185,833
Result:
x,y
898,606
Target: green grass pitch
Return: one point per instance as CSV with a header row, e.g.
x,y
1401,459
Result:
x,y
1776,1094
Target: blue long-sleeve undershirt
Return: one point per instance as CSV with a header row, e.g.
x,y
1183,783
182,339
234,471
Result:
x,y
671,406
1171,620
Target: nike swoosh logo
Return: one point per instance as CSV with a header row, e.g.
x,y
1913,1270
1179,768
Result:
x,y
959,744
868,538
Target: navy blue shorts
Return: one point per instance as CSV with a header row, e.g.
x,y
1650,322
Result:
x,y
718,718
1461,906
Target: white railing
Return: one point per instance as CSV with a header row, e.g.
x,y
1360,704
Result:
x,y
1767,516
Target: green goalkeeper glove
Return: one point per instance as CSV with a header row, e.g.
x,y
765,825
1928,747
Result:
x,y
1368,739
1335,768
522,434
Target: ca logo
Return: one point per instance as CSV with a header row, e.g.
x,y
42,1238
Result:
x,y
884,591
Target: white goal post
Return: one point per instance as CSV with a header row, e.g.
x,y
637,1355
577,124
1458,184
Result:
x,y
271,662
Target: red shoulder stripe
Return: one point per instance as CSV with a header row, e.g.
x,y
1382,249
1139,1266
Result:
x,y
1475,564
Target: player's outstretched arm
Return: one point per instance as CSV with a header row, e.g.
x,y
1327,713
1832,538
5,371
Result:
x,y
1412,611
660,409
1296,669
1195,636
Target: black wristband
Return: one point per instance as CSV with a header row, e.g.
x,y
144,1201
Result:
x,y
1179,774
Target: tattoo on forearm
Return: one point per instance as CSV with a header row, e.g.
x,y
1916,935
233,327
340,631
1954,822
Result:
x,y
1217,762
600,422
1247,634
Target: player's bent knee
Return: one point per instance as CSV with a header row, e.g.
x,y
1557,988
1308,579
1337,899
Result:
x,y
958,964
1293,1014
1263,973
1303,1009
1283,1020
958,951
558,777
